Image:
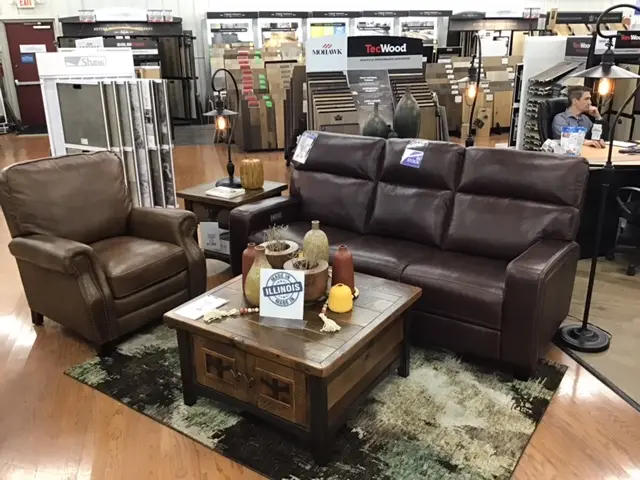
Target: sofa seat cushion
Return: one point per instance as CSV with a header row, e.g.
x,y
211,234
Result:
x,y
132,264
297,230
384,257
459,286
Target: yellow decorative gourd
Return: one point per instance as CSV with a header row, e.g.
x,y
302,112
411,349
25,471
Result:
x,y
340,298
251,174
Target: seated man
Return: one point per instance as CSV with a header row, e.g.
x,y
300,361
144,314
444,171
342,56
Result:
x,y
578,115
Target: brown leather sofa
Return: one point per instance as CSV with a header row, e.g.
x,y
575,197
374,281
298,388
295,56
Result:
x,y
487,233
88,259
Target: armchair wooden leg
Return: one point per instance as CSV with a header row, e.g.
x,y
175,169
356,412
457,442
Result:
x,y
37,318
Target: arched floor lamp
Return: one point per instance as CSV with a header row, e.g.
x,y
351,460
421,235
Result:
x,y
587,337
473,85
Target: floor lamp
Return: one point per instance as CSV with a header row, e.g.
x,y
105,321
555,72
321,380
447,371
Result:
x,y
473,84
587,337
225,121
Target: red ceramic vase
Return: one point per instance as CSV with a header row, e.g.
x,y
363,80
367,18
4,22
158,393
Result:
x,y
248,256
342,268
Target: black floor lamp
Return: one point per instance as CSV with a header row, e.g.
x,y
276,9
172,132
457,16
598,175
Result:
x,y
587,337
473,84
225,121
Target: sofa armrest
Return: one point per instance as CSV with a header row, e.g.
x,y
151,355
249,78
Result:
x,y
47,251
256,216
174,226
537,298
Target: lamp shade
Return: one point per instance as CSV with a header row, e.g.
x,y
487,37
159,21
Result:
x,y
223,113
606,71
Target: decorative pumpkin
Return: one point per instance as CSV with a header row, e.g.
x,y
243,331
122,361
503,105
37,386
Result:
x,y
406,120
375,126
340,298
251,174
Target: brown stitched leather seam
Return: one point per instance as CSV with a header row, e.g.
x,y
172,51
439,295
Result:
x,y
82,290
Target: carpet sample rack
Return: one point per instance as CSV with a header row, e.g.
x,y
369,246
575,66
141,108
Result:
x,y
330,102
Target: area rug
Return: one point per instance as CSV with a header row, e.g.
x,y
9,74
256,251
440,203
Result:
x,y
615,307
448,420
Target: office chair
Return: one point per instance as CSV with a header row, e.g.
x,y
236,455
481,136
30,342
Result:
x,y
547,109
628,239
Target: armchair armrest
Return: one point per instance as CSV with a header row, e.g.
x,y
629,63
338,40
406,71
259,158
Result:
x,y
256,216
537,298
52,253
173,226
162,224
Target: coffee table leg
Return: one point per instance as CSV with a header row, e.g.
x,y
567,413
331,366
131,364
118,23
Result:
x,y
185,348
405,360
319,424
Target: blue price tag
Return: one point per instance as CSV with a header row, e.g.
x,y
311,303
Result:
x,y
28,57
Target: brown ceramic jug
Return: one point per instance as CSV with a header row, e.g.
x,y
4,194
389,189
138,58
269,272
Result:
x,y
342,265
248,256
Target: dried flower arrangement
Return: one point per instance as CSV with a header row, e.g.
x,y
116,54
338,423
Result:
x,y
309,258
274,238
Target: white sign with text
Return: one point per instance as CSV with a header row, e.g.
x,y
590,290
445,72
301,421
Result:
x,y
282,294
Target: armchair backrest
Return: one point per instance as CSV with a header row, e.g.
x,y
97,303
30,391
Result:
x,y
78,197
547,109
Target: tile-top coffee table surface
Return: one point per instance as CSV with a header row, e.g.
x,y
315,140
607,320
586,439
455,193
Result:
x,y
303,380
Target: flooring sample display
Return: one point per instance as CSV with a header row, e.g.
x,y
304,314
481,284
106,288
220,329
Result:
x,y
164,141
140,144
83,115
151,133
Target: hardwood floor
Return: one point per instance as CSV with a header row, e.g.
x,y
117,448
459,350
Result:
x,y
52,427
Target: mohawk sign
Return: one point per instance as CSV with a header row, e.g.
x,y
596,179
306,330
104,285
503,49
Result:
x,y
327,54
327,49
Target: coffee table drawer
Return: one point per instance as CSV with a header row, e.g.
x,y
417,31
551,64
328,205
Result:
x,y
220,367
277,389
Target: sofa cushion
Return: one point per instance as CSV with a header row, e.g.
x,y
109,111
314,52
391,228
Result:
x,y
132,264
296,231
336,184
383,257
414,203
507,200
459,286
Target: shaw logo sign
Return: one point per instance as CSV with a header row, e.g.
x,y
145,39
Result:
x,y
85,61
385,48
327,49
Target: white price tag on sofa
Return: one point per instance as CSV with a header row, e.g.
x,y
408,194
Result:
x,y
305,143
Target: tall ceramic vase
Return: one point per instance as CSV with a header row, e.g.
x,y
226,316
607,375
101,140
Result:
x,y
342,268
317,238
375,126
248,256
252,283
406,120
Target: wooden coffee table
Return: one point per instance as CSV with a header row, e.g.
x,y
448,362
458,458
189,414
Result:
x,y
302,380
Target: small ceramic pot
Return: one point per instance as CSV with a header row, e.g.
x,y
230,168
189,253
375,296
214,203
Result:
x,y
252,283
278,259
315,280
340,298
248,256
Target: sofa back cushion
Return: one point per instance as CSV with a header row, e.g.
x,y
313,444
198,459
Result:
x,y
509,199
78,197
336,183
414,202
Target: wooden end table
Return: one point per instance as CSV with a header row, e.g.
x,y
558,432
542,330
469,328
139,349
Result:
x,y
216,209
301,380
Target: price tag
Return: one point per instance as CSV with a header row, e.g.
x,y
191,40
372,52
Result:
x,y
450,76
458,99
505,60
484,84
489,97
512,75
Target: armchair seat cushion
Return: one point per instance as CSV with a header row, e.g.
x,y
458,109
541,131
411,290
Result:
x,y
462,287
296,231
132,264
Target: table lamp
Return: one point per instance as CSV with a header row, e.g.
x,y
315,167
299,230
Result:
x,y
586,337
225,121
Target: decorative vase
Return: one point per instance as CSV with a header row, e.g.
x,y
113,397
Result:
x,y
277,259
406,120
315,280
340,298
316,238
342,268
251,174
252,283
248,256
375,126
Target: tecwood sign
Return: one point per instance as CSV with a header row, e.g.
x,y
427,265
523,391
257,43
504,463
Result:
x,y
384,53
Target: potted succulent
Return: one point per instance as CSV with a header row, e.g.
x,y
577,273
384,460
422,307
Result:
x,y
316,272
277,248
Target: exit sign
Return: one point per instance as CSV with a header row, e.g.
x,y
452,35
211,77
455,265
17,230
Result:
x,y
26,3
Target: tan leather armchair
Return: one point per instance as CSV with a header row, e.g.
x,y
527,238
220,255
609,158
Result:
x,y
88,259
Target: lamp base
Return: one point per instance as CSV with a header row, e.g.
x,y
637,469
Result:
x,y
226,182
470,141
589,340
